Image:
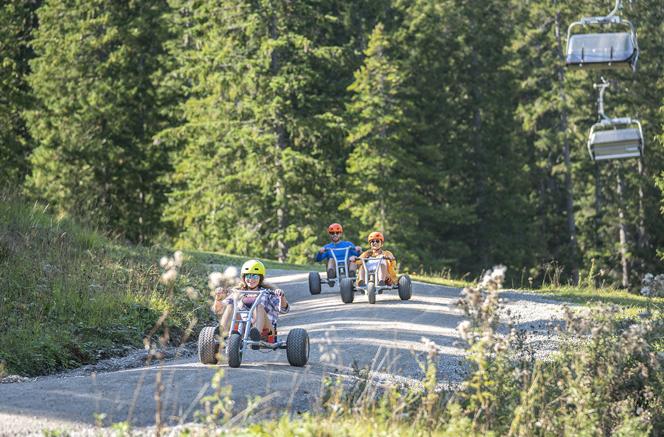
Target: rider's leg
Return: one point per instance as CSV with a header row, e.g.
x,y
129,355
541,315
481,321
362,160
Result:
x,y
331,269
352,268
260,319
225,322
260,322
362,276
381,274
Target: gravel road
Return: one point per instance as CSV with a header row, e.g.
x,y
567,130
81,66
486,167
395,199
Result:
x,y
387,337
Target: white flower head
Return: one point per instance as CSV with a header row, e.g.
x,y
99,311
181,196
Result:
x,y
498,273
163,262
464,328
215,279
231,272
178,257
191,293
169,277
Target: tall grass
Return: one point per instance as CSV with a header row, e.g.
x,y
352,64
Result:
x,y
69,296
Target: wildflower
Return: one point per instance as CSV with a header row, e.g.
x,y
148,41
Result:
x,y
178,257
191,293
431,347
464,328
231,272
215,279
169,276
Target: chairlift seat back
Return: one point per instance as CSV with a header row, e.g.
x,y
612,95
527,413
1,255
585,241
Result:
x,y
615,144
601,50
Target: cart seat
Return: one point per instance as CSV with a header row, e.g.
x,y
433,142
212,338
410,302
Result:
x,y
601,50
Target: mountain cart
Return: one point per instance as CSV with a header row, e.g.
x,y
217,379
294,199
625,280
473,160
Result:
x,y
296,343
348,287
340,257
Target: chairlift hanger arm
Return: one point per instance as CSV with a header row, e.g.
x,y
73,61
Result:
x,y
612,17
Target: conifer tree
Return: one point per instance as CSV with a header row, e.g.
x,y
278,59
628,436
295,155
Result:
x,y
382,188
260,128
97,111
17,21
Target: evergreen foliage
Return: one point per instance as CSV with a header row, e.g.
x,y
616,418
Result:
x,y
17,21
259,128
96,113
382,191
247,127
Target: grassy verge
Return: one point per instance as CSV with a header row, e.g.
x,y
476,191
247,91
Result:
x,y
441,280
71,297
630,302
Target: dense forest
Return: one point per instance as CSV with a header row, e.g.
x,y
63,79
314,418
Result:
x,y
248,126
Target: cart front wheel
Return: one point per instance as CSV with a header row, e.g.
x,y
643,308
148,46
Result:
x,y
208,346
405,287
346,289
234,350
297,347
314,283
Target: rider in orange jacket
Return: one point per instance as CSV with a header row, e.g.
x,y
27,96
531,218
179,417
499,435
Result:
x,y
386,272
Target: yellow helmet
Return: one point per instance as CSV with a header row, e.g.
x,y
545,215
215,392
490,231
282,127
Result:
x,y
253,266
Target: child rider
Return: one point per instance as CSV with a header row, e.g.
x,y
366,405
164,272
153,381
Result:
x,y
271,303
386,271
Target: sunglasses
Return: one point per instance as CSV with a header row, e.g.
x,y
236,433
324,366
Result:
x,y
252,276
375,241
335,233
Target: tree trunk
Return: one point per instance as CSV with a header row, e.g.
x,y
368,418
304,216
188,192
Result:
x,y
478,149
642,237
623,230
571,224
597,220
281,199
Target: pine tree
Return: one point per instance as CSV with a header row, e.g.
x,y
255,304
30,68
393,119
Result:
x,y
17,21
97,112
382,188
260,129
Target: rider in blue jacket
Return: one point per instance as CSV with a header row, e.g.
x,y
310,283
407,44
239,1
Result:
x,y
336,231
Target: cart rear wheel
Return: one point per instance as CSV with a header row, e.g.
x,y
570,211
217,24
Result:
x,y
234,350
297,347
208,345
314,283
405,287
346,289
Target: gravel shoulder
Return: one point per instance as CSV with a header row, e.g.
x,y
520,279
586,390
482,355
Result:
x,y
386,337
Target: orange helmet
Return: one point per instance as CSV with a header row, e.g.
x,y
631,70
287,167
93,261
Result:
x,y
335,227
376,236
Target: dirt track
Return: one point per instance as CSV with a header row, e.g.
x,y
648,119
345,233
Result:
x,y
386,336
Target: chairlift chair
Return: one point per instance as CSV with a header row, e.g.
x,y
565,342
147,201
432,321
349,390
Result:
x,y
602,50
614,138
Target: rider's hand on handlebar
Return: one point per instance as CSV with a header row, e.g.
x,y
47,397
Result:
x,y
220,293
322,250
358,249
